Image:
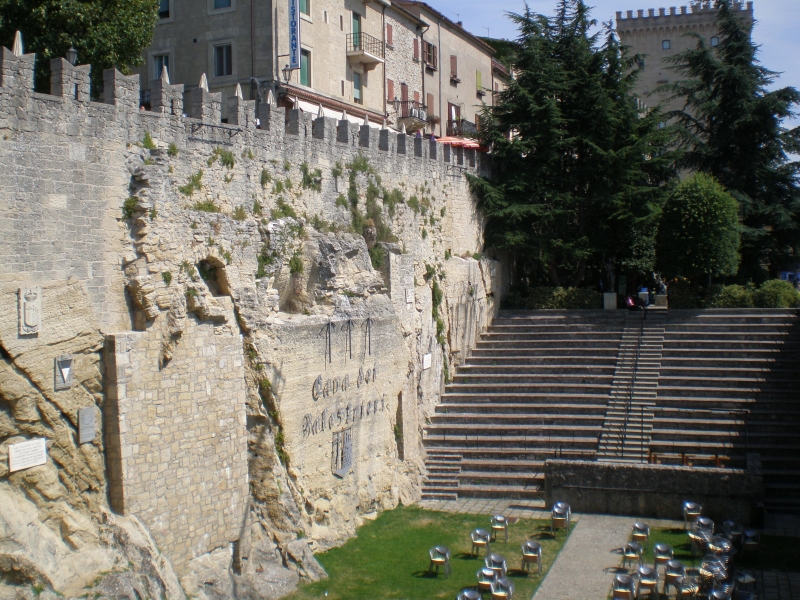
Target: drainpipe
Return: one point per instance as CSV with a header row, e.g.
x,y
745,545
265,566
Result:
x,y
422,53
383,37
441,59
252,39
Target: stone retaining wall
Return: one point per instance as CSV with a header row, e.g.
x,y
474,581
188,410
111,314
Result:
x,y
654,490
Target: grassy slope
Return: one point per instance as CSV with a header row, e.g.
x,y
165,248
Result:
x,y
389,557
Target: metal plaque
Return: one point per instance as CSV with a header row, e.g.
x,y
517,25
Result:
x,y
27,454
426,361
87,427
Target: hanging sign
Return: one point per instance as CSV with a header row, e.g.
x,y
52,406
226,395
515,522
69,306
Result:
x,y
294,34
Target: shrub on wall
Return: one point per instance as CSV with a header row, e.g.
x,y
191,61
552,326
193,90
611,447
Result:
x,y
553,298
776,294
733,296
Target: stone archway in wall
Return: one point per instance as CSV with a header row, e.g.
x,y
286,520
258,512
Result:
x,y
212,270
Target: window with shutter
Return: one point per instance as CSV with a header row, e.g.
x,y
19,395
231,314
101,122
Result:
x,y
416,98
453,66
389,35
478,80
429,105
425,57
389,90
416,49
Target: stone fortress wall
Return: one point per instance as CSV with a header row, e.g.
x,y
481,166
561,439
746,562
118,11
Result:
x,y
255,379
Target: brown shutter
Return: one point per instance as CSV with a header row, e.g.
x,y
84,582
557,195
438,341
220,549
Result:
x,y
425,57
453,65
389,35
416,49
435,61
429,106
416,98
390,90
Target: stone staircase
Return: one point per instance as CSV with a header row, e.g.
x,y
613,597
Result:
x,y
708,388
730,385
535,387
629,417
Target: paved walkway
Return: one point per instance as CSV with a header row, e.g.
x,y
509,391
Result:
x,y
584,568
524,509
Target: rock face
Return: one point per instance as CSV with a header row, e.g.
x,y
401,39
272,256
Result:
x,y
258,353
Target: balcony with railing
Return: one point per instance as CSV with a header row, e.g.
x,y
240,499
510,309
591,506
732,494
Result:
x,y
412,114
364,49
462,128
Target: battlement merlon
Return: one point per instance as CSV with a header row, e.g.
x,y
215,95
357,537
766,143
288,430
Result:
x,y
698,10
294,130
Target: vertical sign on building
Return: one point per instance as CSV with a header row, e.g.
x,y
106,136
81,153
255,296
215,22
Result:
x,y
294,34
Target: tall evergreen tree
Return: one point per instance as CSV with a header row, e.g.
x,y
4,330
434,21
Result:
x,y
731,128
106,33
578,166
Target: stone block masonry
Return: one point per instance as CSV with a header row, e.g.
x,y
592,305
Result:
x,y
177,453
189,440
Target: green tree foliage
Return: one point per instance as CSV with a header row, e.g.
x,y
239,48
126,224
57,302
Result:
x,y
106,33
699,231
731,128
579,180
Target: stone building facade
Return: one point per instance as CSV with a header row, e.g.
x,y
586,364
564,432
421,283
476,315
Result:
x,y
459,78
349,51
662,33
166,250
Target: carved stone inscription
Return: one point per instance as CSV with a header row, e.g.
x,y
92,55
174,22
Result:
x,y
87,428
337,416
342,452
30,310
27,454
326,388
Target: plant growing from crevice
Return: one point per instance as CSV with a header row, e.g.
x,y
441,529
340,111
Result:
x,y
172,150
312,180
129,207
225,157
166,276
413,203
287,166
193,185
153,214
296,263
265,259
147,141
337,171
377,256
283,209
239,213
265,178
206,206
257,208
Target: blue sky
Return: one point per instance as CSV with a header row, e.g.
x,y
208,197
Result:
x,y
776,31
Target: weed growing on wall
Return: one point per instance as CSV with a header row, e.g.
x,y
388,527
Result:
x,y
266,178
147,142
193,185
413,203
206,206
283,209
341,201
296,263
287,166
312,180
225,157
129,207
256,208
278,187
172,150
337,170
166,276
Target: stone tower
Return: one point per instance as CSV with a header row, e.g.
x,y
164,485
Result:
x,y
658,36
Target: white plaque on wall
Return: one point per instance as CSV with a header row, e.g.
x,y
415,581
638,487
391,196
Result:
x,y
87,429
27,454
64,371
409,296
30,310
426,361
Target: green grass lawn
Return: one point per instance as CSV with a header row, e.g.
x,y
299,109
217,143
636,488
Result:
x,y
389,557
775,553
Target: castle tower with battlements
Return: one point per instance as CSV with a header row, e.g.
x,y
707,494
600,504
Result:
x,y
659,35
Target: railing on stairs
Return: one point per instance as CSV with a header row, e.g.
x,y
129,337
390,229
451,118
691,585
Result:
x,y
621,437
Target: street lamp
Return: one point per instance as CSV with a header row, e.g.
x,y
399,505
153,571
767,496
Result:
x,y
396,103
287,73
72,55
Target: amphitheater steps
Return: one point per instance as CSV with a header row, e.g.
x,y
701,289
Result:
x,y
535,386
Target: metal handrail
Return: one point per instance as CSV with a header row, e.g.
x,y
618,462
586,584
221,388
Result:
x,y
365,43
